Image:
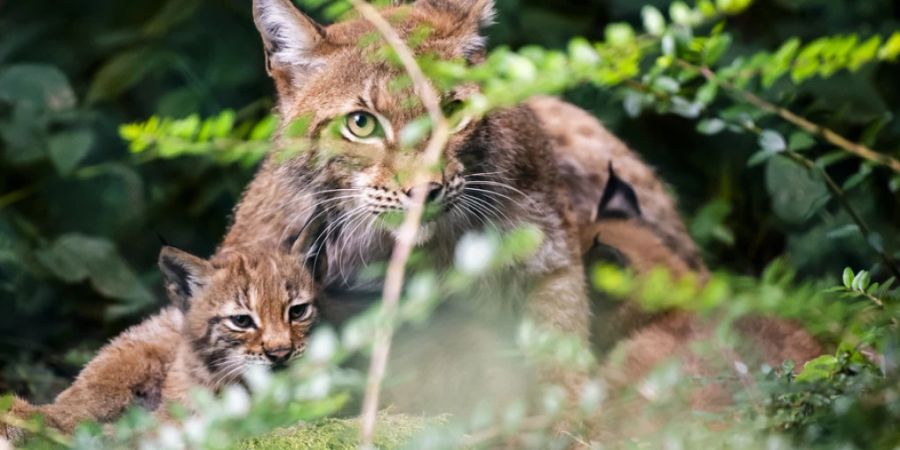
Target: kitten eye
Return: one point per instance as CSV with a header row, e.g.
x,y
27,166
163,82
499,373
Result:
x,y
241,321
362,124
300,312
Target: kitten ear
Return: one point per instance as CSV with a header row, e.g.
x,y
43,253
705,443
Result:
x,y
471,17
618,200
289,36
184,274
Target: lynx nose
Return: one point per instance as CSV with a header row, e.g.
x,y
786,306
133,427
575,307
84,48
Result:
x,y
434,192
277,355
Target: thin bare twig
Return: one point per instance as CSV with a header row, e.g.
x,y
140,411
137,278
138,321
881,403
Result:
x,y
805,124
406,235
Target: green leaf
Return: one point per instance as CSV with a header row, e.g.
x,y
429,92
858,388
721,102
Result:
x,y
41,87
800,141
711,126
732,6
75,257
414,132
685,108
681,13
795,193
666,84
715,47
780,62
619,34
759,157
654,22
264,129
68,148
876,241
847,277
171,14
890,51
633,102
861,281
707,93
772,141
582,53
818,369
850,229
124,71
864,171
864,53
706,8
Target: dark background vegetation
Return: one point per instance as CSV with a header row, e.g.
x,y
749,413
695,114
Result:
x,y
81,219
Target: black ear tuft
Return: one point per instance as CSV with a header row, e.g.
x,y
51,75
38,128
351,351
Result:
x,y
618,200
184,274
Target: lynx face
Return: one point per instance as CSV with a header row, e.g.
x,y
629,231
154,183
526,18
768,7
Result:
x,y
241,309
357,106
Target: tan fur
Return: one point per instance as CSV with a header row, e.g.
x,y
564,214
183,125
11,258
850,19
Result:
x,y
513,154
129,370
584,148
645,341
497,171
162,359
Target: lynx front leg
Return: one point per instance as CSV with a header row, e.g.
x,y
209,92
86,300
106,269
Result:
x,y
559,304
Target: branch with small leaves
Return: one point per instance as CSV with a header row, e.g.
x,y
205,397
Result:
x,y
815,129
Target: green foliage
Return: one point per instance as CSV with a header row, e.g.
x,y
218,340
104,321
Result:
x,y
218,136
394,431
765,194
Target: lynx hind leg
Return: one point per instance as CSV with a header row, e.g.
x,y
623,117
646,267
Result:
x,y
129,370
584,148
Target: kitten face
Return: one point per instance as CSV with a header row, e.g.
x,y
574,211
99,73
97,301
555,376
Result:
x,y
242,308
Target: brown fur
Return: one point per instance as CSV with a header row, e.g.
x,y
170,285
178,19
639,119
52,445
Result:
x,y
645,341
161,359
497,171
512,156
584,148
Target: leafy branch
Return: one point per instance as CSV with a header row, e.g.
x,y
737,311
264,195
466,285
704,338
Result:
x,y
805,124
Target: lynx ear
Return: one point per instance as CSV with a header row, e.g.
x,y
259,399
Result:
x,y
618,200
289,36
184,274
471,17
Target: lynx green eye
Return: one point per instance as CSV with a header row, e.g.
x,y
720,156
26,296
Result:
x,y
362,124
241,321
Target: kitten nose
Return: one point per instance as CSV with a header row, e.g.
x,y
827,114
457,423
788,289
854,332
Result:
x,y
277,355
434,192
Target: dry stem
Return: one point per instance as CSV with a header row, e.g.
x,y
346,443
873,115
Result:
x,y
406,235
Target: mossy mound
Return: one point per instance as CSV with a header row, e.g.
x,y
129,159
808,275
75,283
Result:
x,y
393,431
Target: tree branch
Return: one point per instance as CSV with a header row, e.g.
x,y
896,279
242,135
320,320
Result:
x,y
825,133
406,235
